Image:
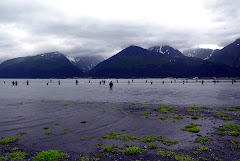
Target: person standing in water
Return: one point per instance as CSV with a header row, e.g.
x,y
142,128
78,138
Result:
x,y
76,82
27,82
13,83
59,82
16,83
111,85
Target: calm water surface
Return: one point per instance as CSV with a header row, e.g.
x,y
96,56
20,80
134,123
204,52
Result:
x,y
222,94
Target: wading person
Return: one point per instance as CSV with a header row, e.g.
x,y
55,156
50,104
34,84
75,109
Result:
x,y
111,84
27,82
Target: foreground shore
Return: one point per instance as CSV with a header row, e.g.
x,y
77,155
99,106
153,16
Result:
x,y
117,131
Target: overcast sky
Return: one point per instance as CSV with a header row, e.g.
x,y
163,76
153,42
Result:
x,y
91,27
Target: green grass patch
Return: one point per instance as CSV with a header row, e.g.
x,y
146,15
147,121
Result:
x,y
65,104
178,117
193,107
16,156
113,133
163,118
194,117
145,106
131,111
230,127
231,109
103,111
164,110
202,139
190,110
221,133
107,148
132,150
51,155
145,114
57,124
152,146
156,109
165,153
9,140
124,129
191,128
84,122
235,141
148,139
45,128
129,138
221,115
22,133
48,133
200,149
234,133
169,142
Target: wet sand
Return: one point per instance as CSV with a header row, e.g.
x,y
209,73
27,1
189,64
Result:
x,y
86,139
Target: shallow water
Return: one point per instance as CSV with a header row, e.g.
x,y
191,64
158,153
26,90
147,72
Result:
x,y
208,94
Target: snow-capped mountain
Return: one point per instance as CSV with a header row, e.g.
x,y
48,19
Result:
x,y
201,53
166,50
86,63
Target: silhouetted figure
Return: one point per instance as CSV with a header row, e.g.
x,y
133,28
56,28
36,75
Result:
x,y
163,82
76,82
89,81
132,80
151,82
104,82
59,82
16,83
100,82
171,81
4,81
202,82
183,82
13,83
128,82
214,81
117,81
232,81
111,84
146,81
27,82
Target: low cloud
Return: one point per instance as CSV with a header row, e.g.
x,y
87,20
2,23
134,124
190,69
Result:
x,y
33,27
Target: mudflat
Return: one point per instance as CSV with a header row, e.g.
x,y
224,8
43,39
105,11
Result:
x,y
118,131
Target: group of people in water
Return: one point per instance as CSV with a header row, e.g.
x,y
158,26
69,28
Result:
x,y
15,83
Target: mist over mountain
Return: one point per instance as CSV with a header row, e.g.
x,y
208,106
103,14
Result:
x,y
86,63
138,62
48,65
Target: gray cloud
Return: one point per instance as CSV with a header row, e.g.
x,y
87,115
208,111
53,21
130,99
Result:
x,y
29,27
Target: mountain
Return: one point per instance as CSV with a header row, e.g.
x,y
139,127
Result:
x,y
200,53
137,62
86,63
48,65
229,55
166,50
